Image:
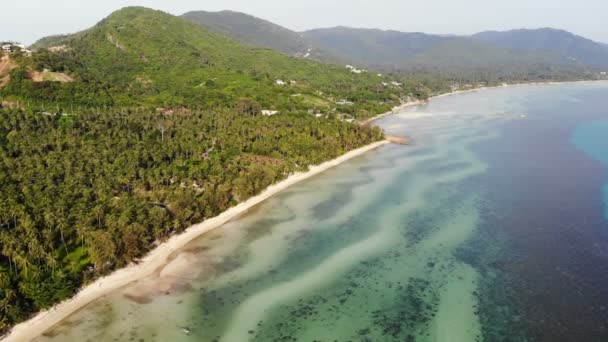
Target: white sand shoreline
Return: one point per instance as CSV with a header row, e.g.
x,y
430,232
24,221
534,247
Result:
x,y
158,257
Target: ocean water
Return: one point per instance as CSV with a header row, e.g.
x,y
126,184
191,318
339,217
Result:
x,y
492,226
592,138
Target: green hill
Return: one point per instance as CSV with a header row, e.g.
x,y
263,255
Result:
x,y
254,31
372,46
454,57
558,42
439,54
142,57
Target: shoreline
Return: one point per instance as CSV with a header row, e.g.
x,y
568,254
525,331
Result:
x,y
159,256
395,110
408,104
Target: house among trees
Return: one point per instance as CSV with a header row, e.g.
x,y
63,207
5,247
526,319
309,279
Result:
x,y
281,82
12,47
355,70
268,112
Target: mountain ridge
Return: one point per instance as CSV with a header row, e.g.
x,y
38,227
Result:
x,y
558,41
247,28
393,49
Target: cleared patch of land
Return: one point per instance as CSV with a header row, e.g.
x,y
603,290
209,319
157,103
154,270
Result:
x,y
49,76
6,66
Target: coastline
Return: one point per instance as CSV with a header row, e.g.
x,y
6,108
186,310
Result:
x,y
159,256
396,109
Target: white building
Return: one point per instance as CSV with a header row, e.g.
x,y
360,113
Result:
x,y
268,112
354,69
281,82
10,47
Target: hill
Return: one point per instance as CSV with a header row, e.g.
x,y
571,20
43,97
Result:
x,y
558,42
142,57
451,54
256,32
372,46
448,55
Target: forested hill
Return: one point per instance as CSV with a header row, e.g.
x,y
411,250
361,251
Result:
x,y
451,54
257,32
141,57
559,42
512,55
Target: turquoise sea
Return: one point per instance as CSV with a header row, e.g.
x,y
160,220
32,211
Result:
x,y
491,226
592,138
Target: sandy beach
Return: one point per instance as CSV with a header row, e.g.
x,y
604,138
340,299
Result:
x,y
160,256
393,111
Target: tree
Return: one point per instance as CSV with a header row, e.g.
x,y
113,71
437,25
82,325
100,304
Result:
x,y
248,106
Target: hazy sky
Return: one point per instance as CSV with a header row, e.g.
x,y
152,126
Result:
x,y
28,20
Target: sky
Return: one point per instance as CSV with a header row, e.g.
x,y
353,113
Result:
x,y
28,20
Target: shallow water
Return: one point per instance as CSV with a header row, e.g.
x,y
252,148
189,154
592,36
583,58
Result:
x,y
490,227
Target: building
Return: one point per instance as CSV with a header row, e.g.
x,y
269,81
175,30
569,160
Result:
x,y
12,47
267,112
281,82
355,70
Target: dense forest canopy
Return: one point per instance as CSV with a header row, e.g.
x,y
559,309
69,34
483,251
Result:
x,y
83,194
